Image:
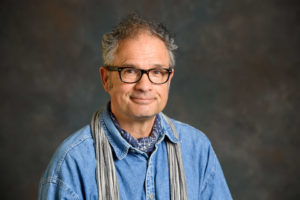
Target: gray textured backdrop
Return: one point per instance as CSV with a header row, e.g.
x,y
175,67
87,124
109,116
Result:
x,y
236,79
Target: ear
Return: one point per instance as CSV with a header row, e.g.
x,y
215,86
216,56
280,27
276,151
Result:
x,y
171,75
104,77
170,78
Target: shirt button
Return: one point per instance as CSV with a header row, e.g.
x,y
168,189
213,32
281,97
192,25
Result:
x,y
151,196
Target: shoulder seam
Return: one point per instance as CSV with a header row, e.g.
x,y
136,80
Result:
x,y
60,162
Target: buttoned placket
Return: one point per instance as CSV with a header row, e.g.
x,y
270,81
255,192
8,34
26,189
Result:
x,y
149,182
150,188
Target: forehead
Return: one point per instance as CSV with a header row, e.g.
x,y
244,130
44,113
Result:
x,y
143,50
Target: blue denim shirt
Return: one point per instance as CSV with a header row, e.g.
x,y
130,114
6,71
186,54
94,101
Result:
x,y
71,174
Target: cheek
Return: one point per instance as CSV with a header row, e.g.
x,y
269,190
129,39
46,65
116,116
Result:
x,y
110,85
120,91
164,92
114,83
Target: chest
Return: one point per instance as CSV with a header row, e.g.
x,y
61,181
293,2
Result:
x,y
140,177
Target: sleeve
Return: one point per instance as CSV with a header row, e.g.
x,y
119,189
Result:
x,y
55,189
215,186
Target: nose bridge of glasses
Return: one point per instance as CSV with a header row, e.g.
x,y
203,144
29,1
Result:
x,y
142,72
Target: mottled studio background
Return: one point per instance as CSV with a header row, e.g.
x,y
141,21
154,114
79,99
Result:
x,y
237,79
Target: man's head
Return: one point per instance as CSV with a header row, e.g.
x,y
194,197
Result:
x,y
140,45
131,26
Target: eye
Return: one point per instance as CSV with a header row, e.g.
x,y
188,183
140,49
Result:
x,y
157,71
129,71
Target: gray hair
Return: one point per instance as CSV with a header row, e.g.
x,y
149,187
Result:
x,y
130,26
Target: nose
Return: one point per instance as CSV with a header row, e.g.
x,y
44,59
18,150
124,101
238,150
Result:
x,y
144,83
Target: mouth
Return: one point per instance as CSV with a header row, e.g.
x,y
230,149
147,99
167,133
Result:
x,y
142,100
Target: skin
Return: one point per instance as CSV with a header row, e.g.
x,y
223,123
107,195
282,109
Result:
x,y
135,105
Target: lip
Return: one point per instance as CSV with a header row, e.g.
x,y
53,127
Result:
x,y
141,100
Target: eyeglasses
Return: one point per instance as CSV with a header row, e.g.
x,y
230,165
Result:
x,y
133,75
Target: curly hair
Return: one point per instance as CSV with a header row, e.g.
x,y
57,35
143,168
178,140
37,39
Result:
x,y
130,26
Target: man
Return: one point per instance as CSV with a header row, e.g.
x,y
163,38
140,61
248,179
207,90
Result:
x,y
131,150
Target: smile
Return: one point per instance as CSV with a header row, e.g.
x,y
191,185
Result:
x,y
141,100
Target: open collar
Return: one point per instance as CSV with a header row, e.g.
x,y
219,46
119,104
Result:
x,y
119,145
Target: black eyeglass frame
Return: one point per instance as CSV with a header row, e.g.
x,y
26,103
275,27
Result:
x,y
143,71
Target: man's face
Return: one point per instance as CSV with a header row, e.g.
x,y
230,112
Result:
x,y
143,99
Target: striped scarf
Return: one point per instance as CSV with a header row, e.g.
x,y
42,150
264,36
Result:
x,y
108,188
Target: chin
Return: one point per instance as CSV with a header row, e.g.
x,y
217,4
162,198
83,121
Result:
x,y
144,115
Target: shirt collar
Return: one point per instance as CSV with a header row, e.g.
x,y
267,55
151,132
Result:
x,y
117,142
168,130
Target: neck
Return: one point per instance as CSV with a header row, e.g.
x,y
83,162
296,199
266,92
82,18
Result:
x,y
137,128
